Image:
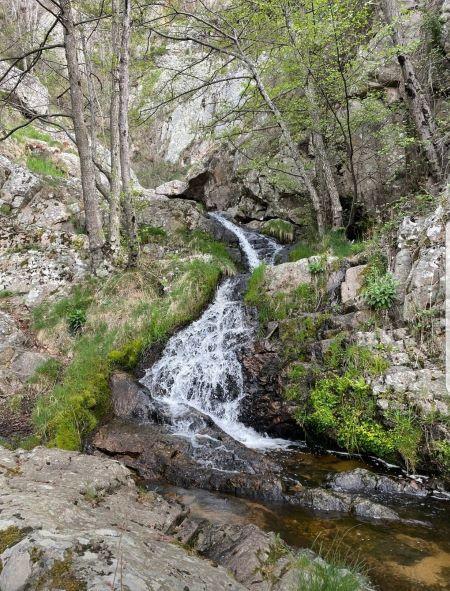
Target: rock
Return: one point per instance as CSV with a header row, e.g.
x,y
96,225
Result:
x,y
83,519
26,363
171,214
351,287
321,499
288,276
199,462
18,185
24,90
363,481
128,400
172,188
264,407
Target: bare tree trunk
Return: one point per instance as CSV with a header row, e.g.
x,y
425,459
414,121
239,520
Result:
x,y
295,152
125,165
418,104
90,196
322,157
114,200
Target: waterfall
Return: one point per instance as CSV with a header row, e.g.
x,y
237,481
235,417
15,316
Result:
x,y
200,368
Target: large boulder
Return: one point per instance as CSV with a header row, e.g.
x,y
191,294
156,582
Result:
x,y
74,521
17,185
172,214
363,481
24,90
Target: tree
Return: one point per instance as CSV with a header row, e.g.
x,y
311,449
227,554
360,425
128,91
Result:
x,y
125,163
419,107
90,196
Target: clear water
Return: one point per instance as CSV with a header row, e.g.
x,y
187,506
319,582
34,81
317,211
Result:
x,y
200,367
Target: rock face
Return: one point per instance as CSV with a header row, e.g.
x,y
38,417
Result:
x,y
25,90
73,520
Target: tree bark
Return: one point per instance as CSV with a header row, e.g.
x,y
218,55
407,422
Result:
x,y
323,158
114,199
90,195
418,104
125,165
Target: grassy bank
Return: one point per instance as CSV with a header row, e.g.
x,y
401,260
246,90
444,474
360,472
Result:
x,y
103,325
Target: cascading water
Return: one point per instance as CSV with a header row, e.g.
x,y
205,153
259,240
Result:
x,y
200,368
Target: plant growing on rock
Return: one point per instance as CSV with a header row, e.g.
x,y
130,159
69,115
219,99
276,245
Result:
x,y
380,290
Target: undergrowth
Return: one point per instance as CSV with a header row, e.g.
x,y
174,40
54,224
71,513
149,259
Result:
x,y
44,166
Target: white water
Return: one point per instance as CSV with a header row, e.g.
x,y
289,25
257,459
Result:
x,y
200,366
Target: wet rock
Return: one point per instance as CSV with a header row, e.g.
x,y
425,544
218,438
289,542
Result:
x,y
363,481
320,499
211,460
264,407
128,399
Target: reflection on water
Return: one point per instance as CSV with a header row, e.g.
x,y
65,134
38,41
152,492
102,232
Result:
x,y
398,556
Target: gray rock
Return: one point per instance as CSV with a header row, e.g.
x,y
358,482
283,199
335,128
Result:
x,y
86,514
363,481
24,90
351,287
19,184
128,400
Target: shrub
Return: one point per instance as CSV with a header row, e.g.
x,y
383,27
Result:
x,y
380,290
406,435
44,166
317,266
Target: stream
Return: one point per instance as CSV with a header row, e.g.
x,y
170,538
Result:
x,y
199,374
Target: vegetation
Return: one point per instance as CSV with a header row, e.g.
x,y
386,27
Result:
x,y
334,243
379,290
109,325
44,166
282,230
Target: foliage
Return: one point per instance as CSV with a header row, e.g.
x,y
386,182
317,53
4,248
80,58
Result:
x,y
379,290
76,320
317,266
279,229
148,233
71,309
31,132
333,242
44,166
406,435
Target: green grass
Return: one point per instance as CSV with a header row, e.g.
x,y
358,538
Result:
x,y
148,234
44,166
279,229
334,242
48,315
31,132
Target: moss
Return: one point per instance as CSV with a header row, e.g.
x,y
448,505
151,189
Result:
x,y
11,536
127,357
279,229
61,576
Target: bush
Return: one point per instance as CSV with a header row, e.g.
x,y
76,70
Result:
x,y
379,290
76,320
